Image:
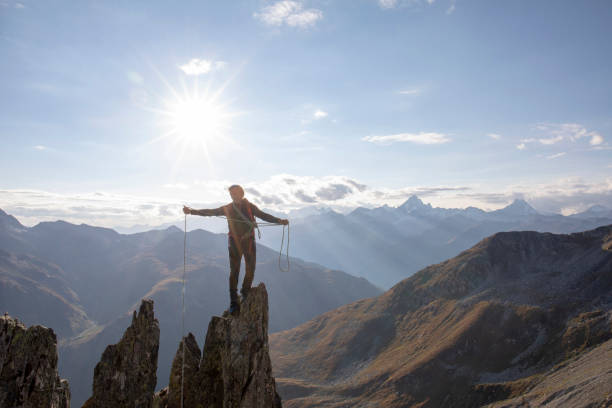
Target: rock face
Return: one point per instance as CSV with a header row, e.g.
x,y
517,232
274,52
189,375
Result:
x,y
28,367
496,323
126,374
234,370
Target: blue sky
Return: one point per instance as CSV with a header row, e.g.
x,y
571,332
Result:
x,y
312,103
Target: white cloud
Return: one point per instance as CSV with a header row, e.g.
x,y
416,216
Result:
x,y
414,91
568,131
179,186
19,6
390,4
319,114
387,4
555,156
551,140
40,147
494,136
418,138
198,66
596,140
290,13
306,18
94,208
521,146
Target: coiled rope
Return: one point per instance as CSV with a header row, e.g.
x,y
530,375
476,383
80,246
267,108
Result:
x,y
256,225
280,254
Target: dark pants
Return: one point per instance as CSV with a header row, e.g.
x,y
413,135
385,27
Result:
x,y
237,249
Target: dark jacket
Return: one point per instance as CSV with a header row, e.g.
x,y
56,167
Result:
x,y
240,226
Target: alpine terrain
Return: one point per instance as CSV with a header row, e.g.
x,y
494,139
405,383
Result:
x,y
522,317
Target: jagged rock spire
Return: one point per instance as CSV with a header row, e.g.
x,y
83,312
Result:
x,y
28,367
126,374
235,369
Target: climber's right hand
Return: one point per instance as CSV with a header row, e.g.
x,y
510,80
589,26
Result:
x,y
186,210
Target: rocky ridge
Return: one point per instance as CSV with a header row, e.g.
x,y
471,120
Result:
x,y
28,367
486,326
232,371
234,368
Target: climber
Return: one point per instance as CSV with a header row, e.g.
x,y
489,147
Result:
x,y
240,214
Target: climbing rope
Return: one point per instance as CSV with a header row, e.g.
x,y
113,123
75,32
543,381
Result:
x,y
256,225
280,252
183,312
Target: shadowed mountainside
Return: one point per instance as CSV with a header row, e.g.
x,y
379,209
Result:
x,y
86,281
482,327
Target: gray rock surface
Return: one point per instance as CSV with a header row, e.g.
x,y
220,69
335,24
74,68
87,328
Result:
x,y
235,369
126,374
28,367
580,382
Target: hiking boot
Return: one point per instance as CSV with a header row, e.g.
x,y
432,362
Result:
x,y
244,292
234,308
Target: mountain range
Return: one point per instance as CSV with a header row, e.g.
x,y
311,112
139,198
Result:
x,y
387,244
84,281
520,319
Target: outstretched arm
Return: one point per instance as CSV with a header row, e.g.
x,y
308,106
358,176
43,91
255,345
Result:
x,y
267,217
204,212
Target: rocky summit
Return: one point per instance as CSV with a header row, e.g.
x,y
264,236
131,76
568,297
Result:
x,y
28,367
234,368
521,319
126,374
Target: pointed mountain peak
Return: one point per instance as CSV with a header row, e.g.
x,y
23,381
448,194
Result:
x,y
9,220
413,203
173,228
519,207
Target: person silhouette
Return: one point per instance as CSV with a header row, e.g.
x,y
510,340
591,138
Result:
x,y
240,214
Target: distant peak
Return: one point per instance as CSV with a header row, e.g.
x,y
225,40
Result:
x,y
7,219
519,206
412,203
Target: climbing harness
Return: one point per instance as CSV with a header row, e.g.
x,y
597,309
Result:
x,y
256,224
250,220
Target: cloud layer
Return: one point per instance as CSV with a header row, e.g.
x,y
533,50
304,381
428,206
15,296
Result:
x,y
290,13
197,66
284,193
551,134
417,138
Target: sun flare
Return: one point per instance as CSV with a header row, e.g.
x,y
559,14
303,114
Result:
x,y
194,122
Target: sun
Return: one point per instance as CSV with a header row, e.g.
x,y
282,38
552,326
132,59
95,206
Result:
x,y
194,122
